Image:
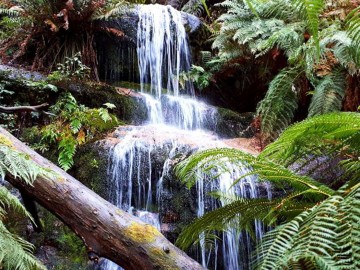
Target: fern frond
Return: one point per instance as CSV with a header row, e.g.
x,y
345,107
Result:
x,y
10,202
328,94
9,12
339,130
325,237
288,38
219,219
218,160
311,10
353,30
243,212
277,109
67,148
281,9
340,44
15,253
17,164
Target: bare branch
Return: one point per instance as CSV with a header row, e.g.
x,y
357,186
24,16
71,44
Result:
x,y
17,109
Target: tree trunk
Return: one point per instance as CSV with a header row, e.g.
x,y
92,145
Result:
x,y
106,230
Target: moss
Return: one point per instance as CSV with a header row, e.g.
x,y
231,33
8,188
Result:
x,y
5,141
160,256
71,252
157,251
142,233
90,168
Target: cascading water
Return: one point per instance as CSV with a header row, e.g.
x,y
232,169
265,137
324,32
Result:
x,y
142,157
232,240
162,49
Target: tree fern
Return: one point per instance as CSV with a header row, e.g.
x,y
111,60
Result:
x,y
325,237
328,94
277,109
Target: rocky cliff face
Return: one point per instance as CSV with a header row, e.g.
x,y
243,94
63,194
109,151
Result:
x,y
116,41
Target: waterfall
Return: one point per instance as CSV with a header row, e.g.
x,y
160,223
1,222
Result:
x,y
141,158
162,49
232,240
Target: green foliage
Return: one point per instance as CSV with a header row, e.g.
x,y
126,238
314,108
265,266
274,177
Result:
x,y
316,44
196,7
353,29
72,253
324,237
278,108
316,226
15,253
311,10
72,68
197,75
335,135
324,135
73,125
328,94
17,164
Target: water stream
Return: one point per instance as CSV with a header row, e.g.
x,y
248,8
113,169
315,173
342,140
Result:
x,y
143,156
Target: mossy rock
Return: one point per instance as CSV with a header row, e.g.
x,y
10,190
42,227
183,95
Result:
x,y
90,168
231,124
130,109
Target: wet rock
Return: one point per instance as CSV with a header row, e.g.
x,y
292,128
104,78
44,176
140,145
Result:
x,y
231,124
116,41
324,169
127,23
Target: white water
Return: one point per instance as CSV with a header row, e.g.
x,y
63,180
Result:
x,y
175,123
231,238
162,48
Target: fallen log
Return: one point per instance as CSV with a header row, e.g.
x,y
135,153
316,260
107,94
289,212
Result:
x,y
106,230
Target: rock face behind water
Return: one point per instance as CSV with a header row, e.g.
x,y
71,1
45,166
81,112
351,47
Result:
x,y
116,41
127,22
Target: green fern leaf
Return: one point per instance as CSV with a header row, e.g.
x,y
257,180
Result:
x,y
277,109
325,237
311,10
353,30
328,94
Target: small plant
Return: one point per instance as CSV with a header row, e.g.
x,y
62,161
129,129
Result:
x,y
73,125
198,75
71,68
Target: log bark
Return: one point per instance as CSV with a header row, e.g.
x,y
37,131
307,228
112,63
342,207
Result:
x,y
106,230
